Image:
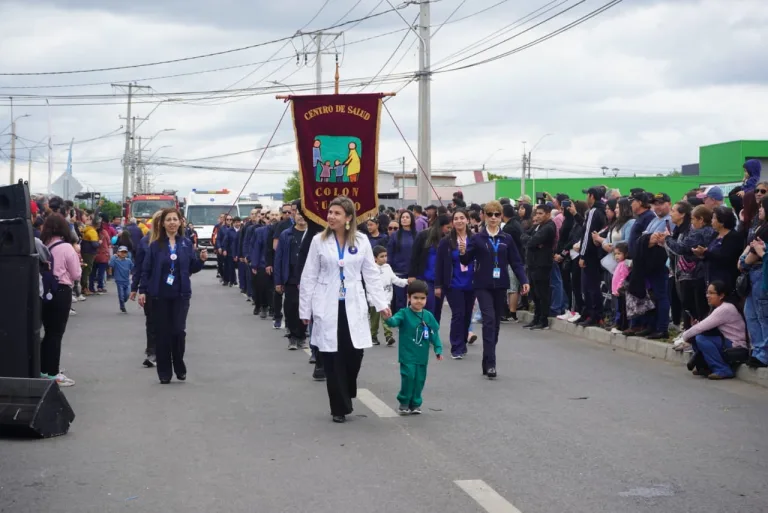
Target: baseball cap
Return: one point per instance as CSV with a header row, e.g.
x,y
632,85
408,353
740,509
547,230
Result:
x,y
122,248
715,193
641,195
597,192
661,197
524,199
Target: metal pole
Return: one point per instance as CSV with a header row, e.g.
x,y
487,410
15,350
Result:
x,y
13,151
132,121
139,187
127,155
425,132
29,170
522,176
319,63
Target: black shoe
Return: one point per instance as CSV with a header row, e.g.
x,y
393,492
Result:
x,y
263,313
181,377
657,336
318,374
390,341
505,319
644,333
539,327
472,339
754,363
339,419
224,283
165,381
148,363
376,341
312,359
530,325
256,311
492,373
585,322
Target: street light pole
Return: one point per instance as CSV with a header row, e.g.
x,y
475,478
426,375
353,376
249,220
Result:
x,y
13,147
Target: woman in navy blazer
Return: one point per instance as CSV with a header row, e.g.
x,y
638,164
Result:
x,y
168,263
399,251
453,280
492,251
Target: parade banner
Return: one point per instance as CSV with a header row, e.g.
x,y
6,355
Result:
x,y
337,139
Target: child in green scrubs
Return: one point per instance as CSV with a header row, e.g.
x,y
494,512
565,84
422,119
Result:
x,y
418,329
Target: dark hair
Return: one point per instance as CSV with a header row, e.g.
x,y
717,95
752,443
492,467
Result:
x,y
505,201
581,208
442,210
748,211
528,210
163,237
417,209
378,250
399,236
720,287
724,216
625,212
431,207
508,210
703,212
762,228
475,216
545,207
623,248
684,208
416,287
435,233
55,226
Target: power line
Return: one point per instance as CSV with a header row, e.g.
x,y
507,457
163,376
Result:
x,y
202,56
392,55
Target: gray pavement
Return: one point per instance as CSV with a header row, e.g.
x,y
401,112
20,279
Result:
x,y
568,426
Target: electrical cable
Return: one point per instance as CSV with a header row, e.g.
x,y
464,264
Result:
x,y
392,55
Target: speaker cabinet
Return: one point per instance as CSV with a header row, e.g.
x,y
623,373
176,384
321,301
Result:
x,y
16,237
15,202
20,322
33,408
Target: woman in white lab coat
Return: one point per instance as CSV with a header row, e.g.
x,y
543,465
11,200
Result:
x,y
332,295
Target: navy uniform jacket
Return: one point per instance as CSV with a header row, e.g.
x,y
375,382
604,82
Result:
x,y
283,257
141,253
258,241
248,239
480,250
187,262
399,251
231,243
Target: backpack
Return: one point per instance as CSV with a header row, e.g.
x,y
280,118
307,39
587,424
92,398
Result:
x,y
50,281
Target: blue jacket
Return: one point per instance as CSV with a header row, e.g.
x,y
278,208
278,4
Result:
x,y
121,269
283,257
248,239
152,276
231,244
444,264
136,234
399,253
641,224
220,230
753,169
258,248
480,251
141,253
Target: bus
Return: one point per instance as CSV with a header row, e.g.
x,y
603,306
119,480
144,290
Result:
x,y
203,209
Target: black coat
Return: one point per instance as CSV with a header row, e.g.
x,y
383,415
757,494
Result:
x,y
541,247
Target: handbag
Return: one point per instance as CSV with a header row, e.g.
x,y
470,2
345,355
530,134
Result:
x,y
609,263
743,285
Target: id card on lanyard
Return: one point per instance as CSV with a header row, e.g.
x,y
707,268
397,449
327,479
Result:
x,y
496,268
170,279
342,290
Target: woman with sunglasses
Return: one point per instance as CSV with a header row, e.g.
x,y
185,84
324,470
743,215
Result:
x,y
399,251
492,251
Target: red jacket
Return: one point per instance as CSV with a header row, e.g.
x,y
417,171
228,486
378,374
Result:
x,y
102,253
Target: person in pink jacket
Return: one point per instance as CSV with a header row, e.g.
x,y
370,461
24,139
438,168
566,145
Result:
x,y
65,266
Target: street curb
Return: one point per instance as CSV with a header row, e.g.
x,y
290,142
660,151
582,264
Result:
x,y
643,346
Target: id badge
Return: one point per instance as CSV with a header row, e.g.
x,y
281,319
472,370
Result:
x,y
169,279
496,273
426,333
342,293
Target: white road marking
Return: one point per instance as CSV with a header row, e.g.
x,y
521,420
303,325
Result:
x,y
308,351
375,404
486,496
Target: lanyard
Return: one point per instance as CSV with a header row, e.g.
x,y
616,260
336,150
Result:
x,y
341,250
495,250
173,257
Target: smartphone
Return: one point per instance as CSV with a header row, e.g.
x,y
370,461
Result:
x,y
669,226
566,204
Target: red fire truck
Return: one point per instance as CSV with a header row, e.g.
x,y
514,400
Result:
x,y
143,206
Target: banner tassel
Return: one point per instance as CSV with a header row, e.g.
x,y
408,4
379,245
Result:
x,y
266,147
412,153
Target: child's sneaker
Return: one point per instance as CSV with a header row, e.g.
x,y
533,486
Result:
x,y
416,410
122,309
63,381
376,341
390,341
403,409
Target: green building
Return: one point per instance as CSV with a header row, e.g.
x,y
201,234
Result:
x,y
719,164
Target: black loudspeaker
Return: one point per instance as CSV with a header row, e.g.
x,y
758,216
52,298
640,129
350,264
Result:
x,y
16,237
33,408
20,323
14,201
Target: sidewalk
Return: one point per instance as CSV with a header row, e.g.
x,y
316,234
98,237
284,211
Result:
x,y
643,346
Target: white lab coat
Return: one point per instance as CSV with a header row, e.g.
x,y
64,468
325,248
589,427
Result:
x,y
319,292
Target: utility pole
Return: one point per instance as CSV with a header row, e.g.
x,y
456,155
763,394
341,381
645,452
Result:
x,y
522,176
139,172
317,37
402,180
29,170
13,150
425,115
128,135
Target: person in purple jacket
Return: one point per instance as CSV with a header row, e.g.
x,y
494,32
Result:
x,y
492,251
165,276
453,280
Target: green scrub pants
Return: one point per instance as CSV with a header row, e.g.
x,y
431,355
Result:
x,y
412,379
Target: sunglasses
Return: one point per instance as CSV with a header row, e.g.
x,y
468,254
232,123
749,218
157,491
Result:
x,y
761,191
286,211
392,228
493,214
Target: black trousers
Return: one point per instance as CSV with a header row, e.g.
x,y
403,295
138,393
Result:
x,y
693,297
593,298
296,328
151,328
542,294
261,282
220,266
578,294
55,315
493,306
675,302
277,305
170,316
342,368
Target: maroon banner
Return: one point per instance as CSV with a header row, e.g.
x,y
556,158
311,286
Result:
x,y
337,139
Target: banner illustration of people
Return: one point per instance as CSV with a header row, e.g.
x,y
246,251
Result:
x,y
337,144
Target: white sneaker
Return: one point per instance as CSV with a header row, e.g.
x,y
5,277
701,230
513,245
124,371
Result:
x,y
680,344
64,381
74,298
565,316
72,312
616,331
576,317
81,297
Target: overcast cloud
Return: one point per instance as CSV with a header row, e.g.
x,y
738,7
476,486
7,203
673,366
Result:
x,y
639,87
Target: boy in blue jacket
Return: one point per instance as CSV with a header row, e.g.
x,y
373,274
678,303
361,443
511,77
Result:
x,y
121,267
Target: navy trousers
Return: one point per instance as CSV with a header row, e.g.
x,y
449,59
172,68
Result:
x,y
461,303
493,306
170,317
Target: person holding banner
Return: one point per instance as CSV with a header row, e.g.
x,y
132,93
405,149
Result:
x,y
339,259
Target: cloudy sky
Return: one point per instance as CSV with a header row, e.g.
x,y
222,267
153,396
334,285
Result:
x,y
639,87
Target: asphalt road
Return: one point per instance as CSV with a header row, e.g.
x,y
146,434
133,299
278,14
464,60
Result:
x,y
569,426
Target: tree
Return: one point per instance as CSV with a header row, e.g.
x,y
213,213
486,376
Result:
x,y
292,189
111,209
494,176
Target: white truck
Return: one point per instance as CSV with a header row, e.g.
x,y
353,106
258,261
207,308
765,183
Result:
x,y
203,209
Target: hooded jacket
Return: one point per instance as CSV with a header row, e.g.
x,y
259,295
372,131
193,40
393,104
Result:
x,y
753,168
